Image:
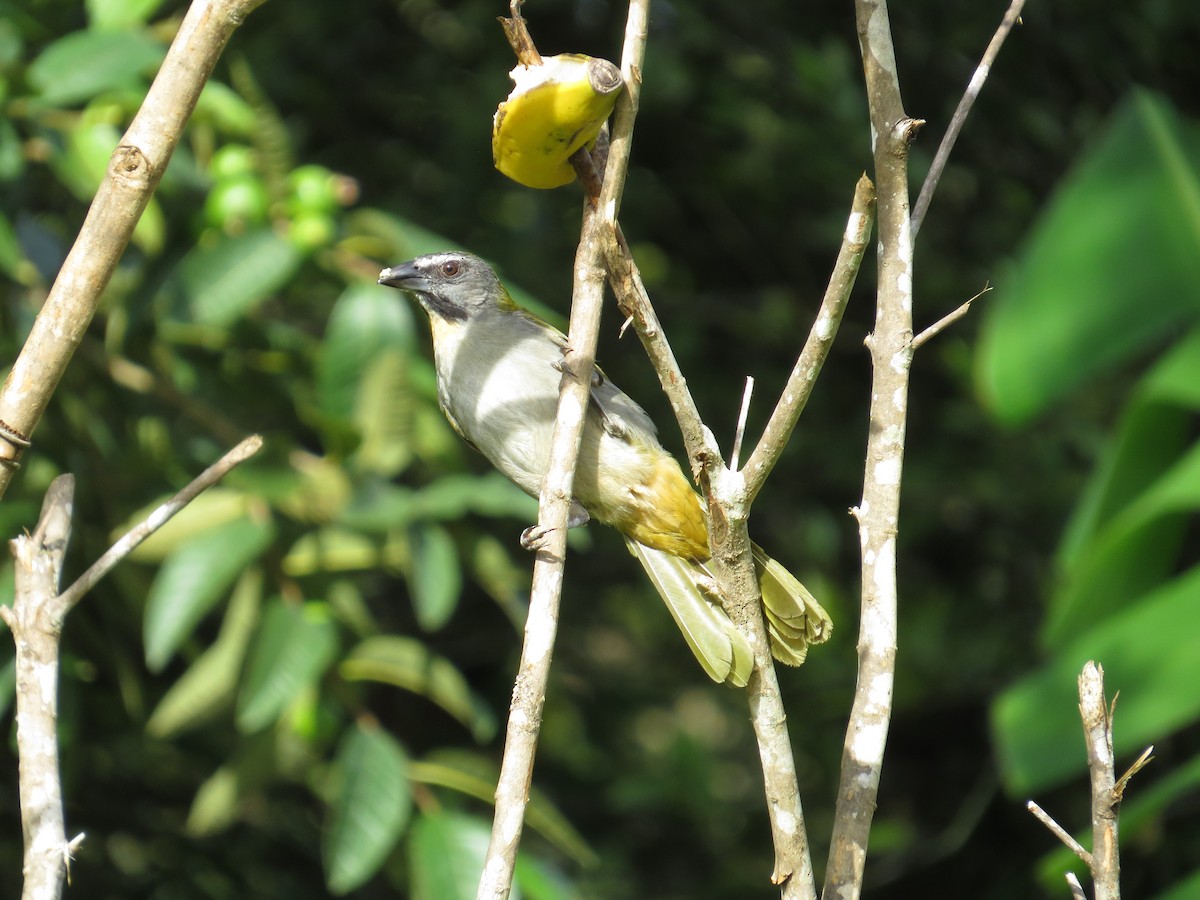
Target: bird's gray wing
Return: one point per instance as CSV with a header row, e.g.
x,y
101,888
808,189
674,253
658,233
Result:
x,y
620,415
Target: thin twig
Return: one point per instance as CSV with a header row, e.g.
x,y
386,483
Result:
x,y
133,174
878,512
521,735
947,320
820,339
974,86
740,431
159,517
1059,832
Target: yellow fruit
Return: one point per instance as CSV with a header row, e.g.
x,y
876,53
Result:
x,y
554,109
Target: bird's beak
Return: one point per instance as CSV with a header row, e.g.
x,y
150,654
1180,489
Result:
x,y
406,277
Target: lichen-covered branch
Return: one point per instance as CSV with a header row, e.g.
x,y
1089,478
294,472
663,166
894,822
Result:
x,y
878,512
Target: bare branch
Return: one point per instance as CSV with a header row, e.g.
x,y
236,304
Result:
x,y
1097,729
521,735
1059,832
133,174
878,513
36,623
816,348
974,86
126,544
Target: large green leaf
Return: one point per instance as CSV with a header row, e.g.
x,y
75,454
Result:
x,y
1151,435
1110,267
193,578
1126,533
210,685
445,855
370,807
86,63
220,284
294,647
383,414
474,776
407,663
112,15
434,575
366,320
1149,652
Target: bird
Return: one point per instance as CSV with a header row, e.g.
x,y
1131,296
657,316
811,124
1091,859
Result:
x,y
499,369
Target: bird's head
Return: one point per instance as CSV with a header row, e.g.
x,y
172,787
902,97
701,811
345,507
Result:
x,y
455,286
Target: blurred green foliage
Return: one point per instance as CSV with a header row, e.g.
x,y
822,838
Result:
x,y
295,688
1108,272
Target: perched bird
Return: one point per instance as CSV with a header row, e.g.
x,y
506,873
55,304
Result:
x,y
498,374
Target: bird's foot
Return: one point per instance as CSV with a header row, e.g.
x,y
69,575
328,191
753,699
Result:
x,y
535,538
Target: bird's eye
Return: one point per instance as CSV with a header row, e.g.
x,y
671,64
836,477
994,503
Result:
x,y
451,268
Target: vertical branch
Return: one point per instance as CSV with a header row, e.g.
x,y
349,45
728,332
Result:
x,y
133,174
36,622
878,512
1097,729
529,691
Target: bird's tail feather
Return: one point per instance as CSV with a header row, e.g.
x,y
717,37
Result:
x,y
794,618
719,647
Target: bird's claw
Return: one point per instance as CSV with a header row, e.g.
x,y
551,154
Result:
x,y
535,538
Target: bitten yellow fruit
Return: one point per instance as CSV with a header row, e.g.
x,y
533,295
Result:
x,y
554,109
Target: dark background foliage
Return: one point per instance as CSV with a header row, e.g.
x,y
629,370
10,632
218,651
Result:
x,y
752,132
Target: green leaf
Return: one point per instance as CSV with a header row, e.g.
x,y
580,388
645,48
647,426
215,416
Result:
x,y
340,550
445,853
1147,651
540,881
1153,431
193,578
222,283
210,685
1186,889
215,508
1134,552
407,663
294,647
114,15
383,413
366,320
370,807
226,110
1110,267
452,497
255,763
434,575
87,63
470,774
